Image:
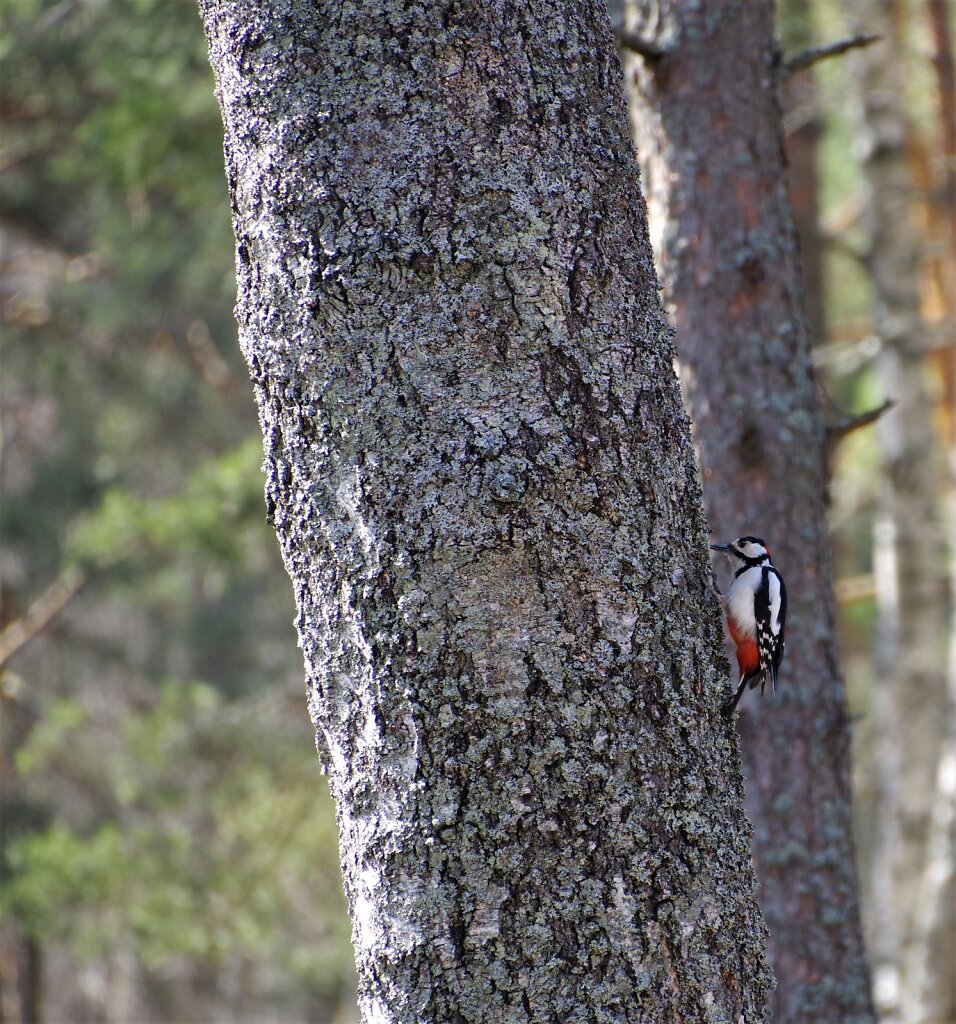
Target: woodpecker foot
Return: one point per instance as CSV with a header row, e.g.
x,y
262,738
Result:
x,y
728,709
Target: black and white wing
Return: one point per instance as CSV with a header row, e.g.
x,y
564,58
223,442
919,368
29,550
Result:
x,y
770,613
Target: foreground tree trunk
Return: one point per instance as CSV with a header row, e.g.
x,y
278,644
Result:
x,y
481,478
707,126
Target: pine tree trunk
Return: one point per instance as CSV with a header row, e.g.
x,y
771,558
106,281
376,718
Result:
x,y
707,126
480,474
802,129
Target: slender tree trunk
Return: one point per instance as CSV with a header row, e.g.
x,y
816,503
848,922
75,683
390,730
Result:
x,y
21,979
30,981
939,892
707,125
944,64
481,478
915,707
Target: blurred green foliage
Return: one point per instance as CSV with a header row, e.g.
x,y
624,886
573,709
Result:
x,y
184,824
212,517
211,851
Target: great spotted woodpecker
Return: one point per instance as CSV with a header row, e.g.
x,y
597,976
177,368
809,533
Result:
x,y
756,614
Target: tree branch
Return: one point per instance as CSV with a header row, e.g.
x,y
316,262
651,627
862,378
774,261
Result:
x,y
847,426
45,608
648,49
859,256
805,58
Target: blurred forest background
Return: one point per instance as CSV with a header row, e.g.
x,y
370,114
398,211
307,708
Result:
x,y
168,848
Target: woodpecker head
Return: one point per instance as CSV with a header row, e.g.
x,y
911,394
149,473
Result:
x,y
751,550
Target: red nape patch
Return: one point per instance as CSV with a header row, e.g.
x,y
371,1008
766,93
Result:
x,y
748,657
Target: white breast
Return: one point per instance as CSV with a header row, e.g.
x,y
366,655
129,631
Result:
x,y
741,599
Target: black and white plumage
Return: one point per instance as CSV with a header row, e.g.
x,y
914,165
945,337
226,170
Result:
x,y
756,614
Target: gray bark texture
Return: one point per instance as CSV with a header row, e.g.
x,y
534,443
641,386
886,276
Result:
x,y
481,477
706,121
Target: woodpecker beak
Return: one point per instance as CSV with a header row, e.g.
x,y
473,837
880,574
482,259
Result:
x,y
725,548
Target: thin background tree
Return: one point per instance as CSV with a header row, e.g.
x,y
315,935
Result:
x,y
706,119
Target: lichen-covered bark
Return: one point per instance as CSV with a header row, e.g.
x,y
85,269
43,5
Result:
x,y
707,126
480,474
